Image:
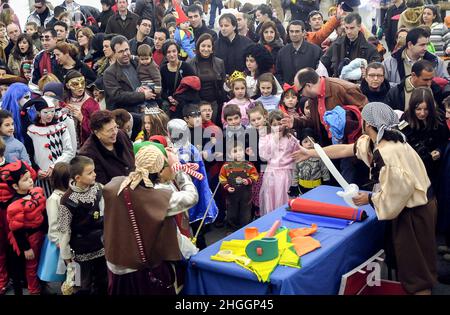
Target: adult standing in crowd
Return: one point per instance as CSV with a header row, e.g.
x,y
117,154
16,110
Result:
x,y
161,35
13,32
211,71
246,27
85,37
122,85
320,32
124,22
349,47
172,73
109,147
106,14
374,85
296,55
23,51
230,46
108,56
270,38
264,14
67,58
145,9
62,32
400,63
41,14
390,22
432,19
301,9
144,27
45,61
195,14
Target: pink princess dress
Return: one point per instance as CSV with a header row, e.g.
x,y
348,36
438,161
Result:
x,y
278,174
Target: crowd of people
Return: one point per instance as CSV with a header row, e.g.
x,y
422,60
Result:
x,y
128,133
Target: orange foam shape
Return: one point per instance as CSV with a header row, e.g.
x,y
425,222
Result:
x,y
305,244
303,231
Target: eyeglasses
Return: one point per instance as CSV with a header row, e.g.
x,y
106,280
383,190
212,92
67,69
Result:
x,y
300,92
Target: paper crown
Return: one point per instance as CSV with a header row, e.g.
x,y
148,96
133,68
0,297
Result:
x,y
153,110
237,75
179,14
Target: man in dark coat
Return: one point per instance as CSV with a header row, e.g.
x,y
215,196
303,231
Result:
x,y
349,47
297,55
194,13
123,22
230,46
122,85
390,22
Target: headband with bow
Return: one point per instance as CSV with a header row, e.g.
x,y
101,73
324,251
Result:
x,y
287,87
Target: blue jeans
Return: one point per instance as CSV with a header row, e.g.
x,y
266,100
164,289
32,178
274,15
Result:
x,y
215,4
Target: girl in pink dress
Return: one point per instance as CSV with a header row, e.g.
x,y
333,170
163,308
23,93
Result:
x,y
276,148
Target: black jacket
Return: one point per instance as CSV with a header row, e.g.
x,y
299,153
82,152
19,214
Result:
x,y
390,25
118,89
117,26
202,30
219,70
289,61
301,9
134,44
338,51
104,18
376,96
81,67
396,95
232,53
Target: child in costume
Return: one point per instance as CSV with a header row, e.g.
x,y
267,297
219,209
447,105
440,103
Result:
x,y
184,34
50,258
15,150
51,141
310,173
25,221
239,96
187,153
237,178
277,148
3,230
80,224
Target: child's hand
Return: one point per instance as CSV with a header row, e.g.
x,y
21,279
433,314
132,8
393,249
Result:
x,y
435,155
246,181
231,189
29,254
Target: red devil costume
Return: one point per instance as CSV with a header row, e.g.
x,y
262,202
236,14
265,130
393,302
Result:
x,y
24,220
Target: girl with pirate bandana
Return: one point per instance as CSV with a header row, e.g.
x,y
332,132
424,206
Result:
x,y
80,104
25,222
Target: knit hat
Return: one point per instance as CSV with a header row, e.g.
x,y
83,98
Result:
x,y
55,87
382,117
149,160
179,14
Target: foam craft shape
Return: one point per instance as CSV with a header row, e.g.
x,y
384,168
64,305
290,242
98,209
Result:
x,y
250,233
305,244
326,209
274,228
350,190
303,231
262,250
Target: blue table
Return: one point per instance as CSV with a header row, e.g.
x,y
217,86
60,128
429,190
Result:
x,y
342,250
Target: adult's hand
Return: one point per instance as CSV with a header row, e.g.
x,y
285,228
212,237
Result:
x,y
149,95
361,199
29,254
287,121
301,155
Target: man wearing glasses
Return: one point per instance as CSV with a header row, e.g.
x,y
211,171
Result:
x,y
45,61
144,27
41,14
374,85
